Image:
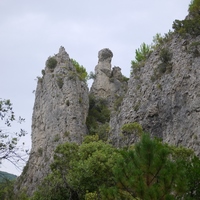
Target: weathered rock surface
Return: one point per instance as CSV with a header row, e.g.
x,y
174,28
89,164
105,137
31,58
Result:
x,y
166,104
109,83
59,115
163,97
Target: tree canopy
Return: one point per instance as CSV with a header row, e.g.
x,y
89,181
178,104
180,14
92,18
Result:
x,y
96,170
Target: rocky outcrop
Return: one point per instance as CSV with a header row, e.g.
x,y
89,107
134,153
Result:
x,y
59,115
109,83
164,97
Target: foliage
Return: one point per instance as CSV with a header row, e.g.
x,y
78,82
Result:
x,y
96,159
165,66
97,170
189,26
141,54
98,114
148,172
130,132
9,149
132,128
165,55
159,40
78,171
193,177
51,63
81,71
92,75
7,191
194,7
194,49
53,188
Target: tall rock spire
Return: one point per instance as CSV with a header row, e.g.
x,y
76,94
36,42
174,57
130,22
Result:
x,y
59,115
109,83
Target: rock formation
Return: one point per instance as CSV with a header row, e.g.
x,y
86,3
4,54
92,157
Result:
x,y
109,83
164,97
59,115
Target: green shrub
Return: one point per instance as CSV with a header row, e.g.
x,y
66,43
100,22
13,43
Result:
x,y
98,114
189,26
51,63
165,56
159,40
92,75
43,72
165,66
132,128
141,55
194,49
194,7
81,71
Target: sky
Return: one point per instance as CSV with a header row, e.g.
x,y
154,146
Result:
x,y
31,31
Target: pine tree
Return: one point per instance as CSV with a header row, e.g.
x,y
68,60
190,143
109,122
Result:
x,y
148,172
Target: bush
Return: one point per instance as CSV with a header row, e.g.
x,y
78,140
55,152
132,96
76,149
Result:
x,y
98,115
189,26
81,71
92,75
51,63
165,67
194,8
194,49
165,55
159,40
96,170
141,54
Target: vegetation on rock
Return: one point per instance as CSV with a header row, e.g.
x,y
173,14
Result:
x,y
97,170
51,63
81,71
190,25
98,117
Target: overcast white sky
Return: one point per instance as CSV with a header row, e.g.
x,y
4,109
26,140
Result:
x,y
30,31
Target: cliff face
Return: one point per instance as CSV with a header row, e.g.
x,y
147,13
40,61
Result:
x,y
164,95
59,115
